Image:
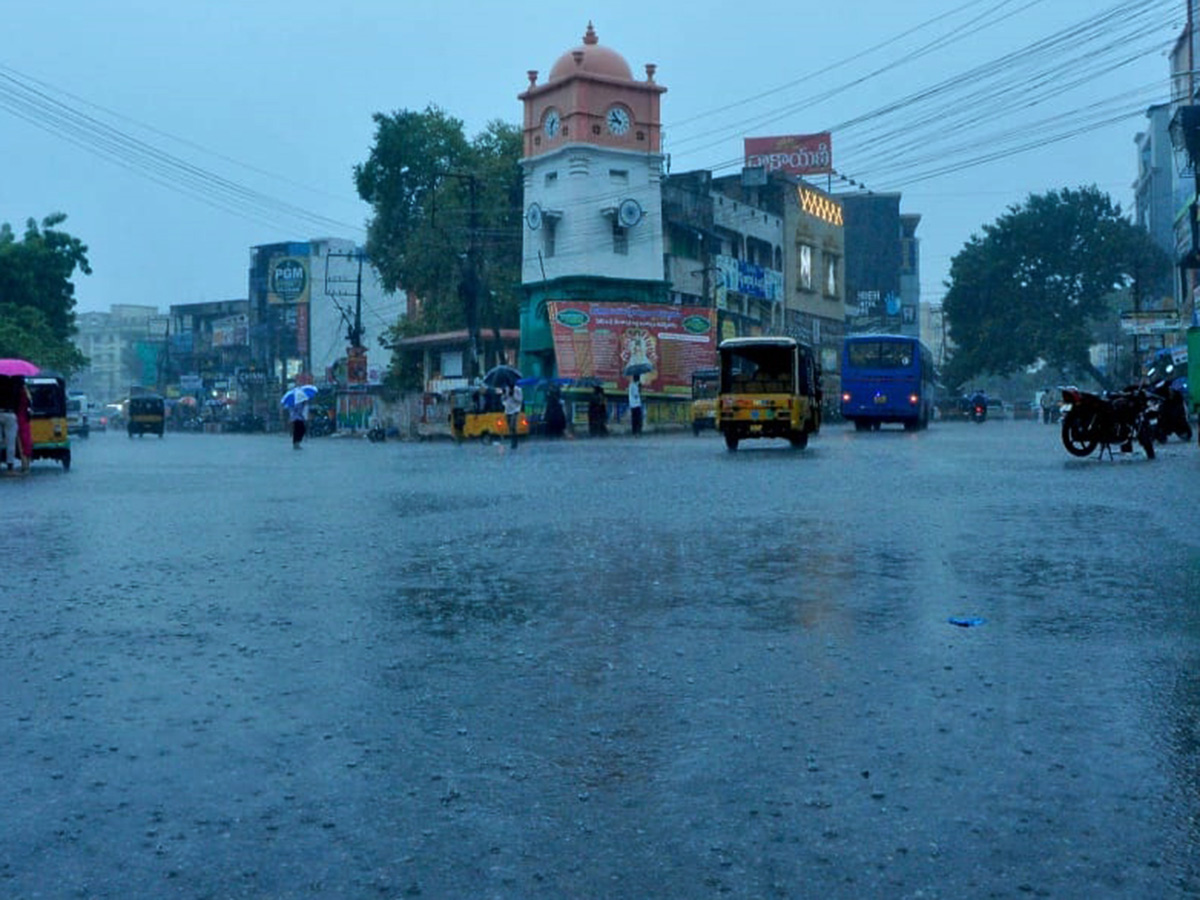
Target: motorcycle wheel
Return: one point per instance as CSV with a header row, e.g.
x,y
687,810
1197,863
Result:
x,y
1075,436
1145,436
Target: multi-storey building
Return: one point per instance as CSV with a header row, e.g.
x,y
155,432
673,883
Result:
x,y
882,264
123,347
306,299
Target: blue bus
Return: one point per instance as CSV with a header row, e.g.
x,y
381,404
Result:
x,y
887,378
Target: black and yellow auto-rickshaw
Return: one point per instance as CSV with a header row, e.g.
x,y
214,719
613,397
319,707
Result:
x,y
479,413
705,385
48,418
770,388
146,415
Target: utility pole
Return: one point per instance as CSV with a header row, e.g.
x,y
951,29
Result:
x,y
356,355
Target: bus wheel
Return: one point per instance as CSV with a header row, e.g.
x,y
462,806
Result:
x,y
799,439
912,425
731,441
860,425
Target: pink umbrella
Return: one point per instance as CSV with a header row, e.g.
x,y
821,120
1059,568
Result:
x,y
17,367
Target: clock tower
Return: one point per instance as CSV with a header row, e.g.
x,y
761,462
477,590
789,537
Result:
x,y
593,169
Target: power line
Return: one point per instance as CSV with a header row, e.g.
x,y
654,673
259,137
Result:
x,y
35,106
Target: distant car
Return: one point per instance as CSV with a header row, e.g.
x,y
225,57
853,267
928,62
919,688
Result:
x,y
997,408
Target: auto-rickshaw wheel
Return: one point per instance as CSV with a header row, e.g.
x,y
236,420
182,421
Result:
x,y
731,441
799,439
66,460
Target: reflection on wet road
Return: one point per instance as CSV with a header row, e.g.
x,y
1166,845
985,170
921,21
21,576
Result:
x,y
607,668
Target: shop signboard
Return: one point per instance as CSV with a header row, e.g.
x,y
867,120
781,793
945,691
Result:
x,y
793,154
288,279
749,279
601,340
1150,322
231,331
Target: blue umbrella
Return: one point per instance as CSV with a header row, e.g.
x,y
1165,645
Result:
x,y
543,380
302,393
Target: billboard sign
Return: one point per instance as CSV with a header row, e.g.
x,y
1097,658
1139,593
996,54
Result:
x,y
601,340
288,280
231,331
749,279
793,154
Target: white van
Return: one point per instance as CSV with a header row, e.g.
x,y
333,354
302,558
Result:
x,y
77,414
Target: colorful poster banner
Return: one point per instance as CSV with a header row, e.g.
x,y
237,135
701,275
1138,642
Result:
x,y
602,341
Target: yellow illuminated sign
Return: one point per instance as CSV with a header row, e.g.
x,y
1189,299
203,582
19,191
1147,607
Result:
x,y
819,206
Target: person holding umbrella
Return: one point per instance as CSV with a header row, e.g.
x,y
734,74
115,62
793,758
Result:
x,y
635,404
8,418
513,399
296,402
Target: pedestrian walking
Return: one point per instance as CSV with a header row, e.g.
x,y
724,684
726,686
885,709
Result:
x,y
556,416
635,405
24,426
513,399
299,417
598,413
1047,403
8,418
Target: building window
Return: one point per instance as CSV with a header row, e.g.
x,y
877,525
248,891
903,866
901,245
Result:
x,y
551,178
620,239
805,272
831,283
548,229
618,176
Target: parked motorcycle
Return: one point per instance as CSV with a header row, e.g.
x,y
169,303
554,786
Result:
x,y
376,434
1172,413
1101,420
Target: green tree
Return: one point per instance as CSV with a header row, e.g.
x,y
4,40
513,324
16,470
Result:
x,y
446,220
1038,282
37,295
25,334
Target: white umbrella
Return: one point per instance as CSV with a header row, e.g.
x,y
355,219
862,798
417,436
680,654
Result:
x,y
302,393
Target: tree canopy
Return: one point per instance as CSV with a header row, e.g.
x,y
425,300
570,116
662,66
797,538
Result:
x,y
1039,280
37,295
446,223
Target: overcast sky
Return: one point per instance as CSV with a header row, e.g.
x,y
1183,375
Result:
x,y
276,99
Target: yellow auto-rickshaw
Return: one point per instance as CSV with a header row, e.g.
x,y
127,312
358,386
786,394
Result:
x,y
147,413
770,388
705,384
48,418
479,413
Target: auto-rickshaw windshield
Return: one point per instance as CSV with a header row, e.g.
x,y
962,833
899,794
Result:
x,y
47,398
759,369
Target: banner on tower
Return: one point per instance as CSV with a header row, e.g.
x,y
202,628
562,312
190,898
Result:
x,y
602,341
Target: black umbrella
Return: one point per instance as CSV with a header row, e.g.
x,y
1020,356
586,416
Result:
x,y
638,368
502,377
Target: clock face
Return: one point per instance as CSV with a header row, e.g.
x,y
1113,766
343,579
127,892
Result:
x,y
552,123
629,213
533,217
617,120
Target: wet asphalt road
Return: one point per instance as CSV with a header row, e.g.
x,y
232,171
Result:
x,y
609,668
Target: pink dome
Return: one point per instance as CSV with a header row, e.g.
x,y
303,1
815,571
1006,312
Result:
x,y
593,59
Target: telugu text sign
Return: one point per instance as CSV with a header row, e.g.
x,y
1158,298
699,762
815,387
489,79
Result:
x,y
600,340
793,154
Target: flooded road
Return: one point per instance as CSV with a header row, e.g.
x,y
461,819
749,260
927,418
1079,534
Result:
x,y
602,668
